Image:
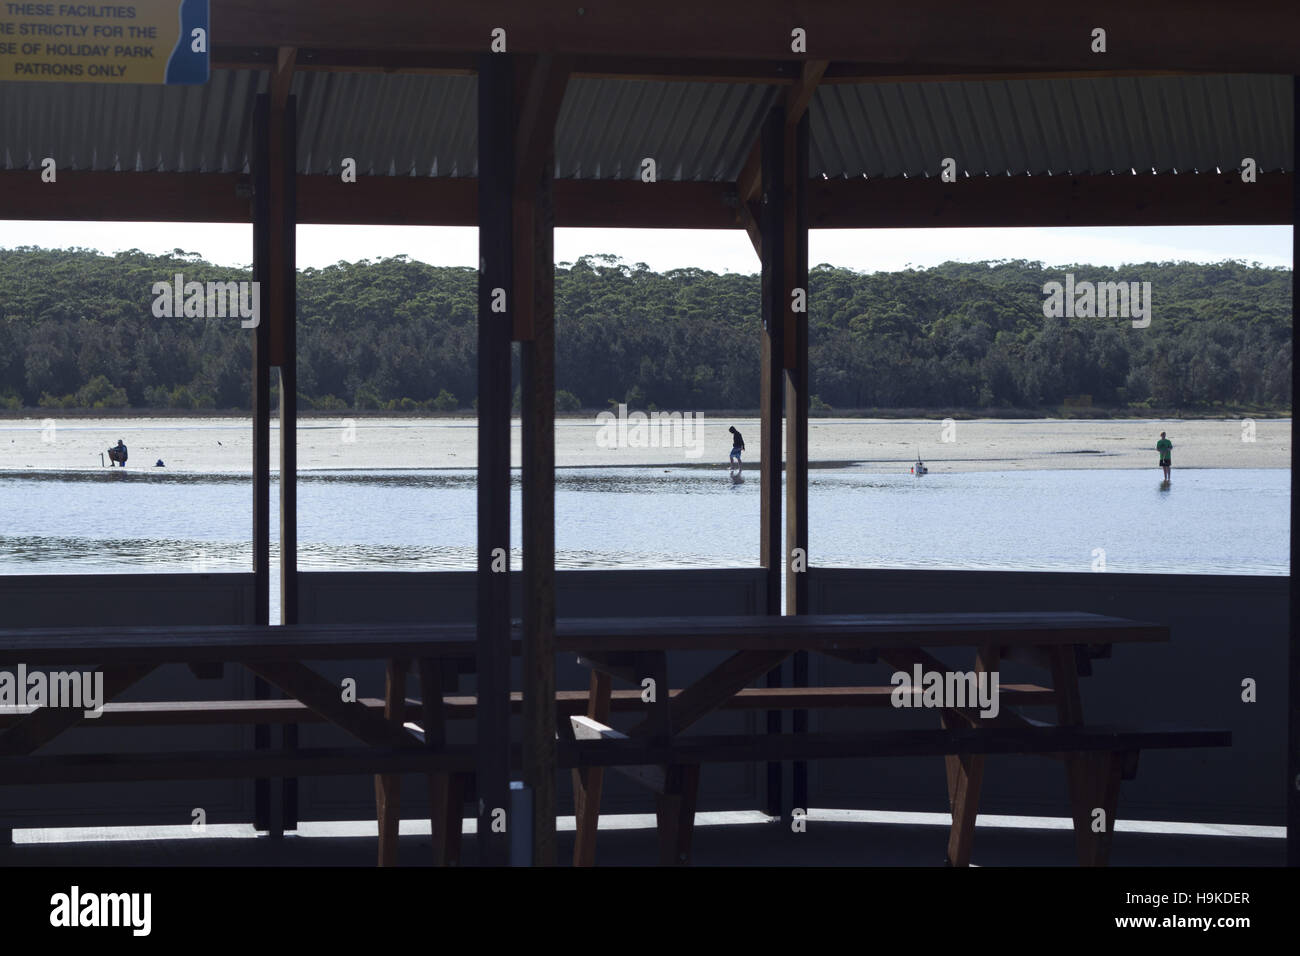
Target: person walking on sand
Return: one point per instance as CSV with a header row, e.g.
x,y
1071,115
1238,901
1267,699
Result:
x,y
737,446
1164,446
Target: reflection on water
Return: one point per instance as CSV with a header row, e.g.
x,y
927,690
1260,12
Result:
x,y
93,555
1205,521
131,554
586,479
121,476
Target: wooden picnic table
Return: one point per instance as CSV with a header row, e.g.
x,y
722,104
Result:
x,y
276,654
630,649
1062,643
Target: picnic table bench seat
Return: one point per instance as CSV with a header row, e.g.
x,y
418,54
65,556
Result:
x,y
1111,755
465,706
455,774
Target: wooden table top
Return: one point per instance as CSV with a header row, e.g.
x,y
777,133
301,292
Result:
x,y
233,642
851,631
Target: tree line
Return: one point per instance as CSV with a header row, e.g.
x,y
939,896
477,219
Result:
x,y
77,331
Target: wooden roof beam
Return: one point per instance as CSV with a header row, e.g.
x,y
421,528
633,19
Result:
x,y
282,78
1187,199
651,69
745,213
949,36
798,98
539,95
1147,200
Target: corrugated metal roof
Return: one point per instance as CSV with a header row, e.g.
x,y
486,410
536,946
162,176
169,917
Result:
x,y
1060,126
391,124
694,131
426,125
128,127
402,125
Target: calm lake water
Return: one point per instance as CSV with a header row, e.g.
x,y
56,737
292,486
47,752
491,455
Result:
x,y
1208,522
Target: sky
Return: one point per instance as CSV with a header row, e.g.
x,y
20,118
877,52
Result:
x,y
863,250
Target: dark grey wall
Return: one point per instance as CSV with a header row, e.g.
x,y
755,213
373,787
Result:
x,y
1224,629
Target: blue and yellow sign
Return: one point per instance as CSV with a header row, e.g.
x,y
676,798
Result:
x,y
135,41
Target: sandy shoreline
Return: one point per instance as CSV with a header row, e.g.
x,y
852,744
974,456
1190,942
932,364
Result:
x,y
224,445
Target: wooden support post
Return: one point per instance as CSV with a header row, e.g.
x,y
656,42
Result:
x,y
799,724
446,795
797,302
1094,780
265,816
675,814
538,460
388,786
1293,705
539,92
965,777
496,283
775,305
787,266
447,846
283,335
1063,661
588,781
261,398
795,317
771,222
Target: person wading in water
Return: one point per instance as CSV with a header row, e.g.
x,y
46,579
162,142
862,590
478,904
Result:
x,y
737,446
1164,446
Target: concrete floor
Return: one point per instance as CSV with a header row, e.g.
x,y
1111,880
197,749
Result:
x,y
832,838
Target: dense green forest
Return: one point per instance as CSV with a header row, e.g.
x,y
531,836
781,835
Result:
x,y
77,331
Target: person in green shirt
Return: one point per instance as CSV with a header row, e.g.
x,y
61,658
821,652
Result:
x,y
1164,446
